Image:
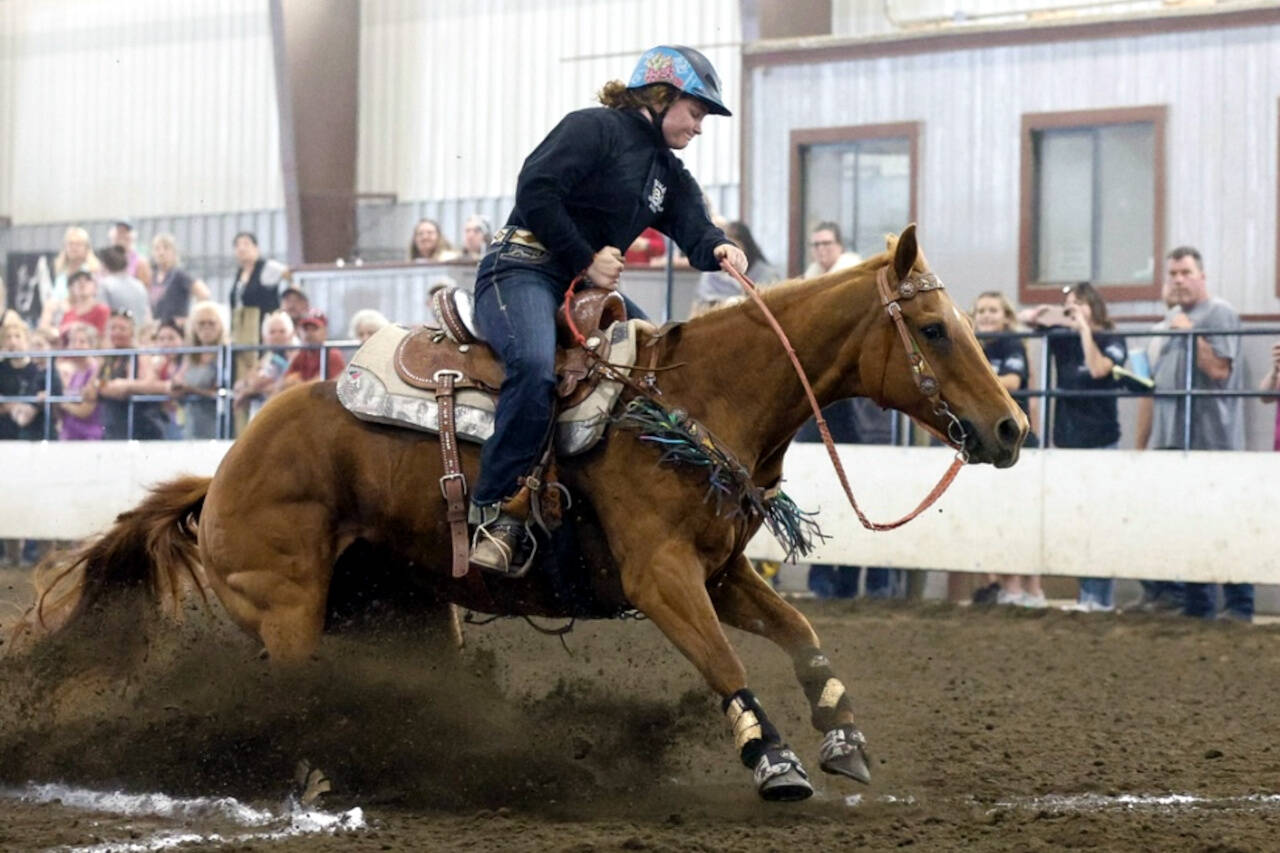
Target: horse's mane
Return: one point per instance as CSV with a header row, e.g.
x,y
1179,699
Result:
x,y
778,296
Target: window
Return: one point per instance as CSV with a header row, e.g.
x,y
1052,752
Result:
x,y
1092,203
862,178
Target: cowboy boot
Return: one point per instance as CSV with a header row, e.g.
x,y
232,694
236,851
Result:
x,y
501,540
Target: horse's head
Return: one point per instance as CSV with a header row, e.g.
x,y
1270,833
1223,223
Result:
x,y
930,366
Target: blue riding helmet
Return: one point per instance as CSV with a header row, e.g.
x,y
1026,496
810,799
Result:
x,y
685,70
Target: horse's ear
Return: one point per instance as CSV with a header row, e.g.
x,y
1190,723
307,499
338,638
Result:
x,y
904,254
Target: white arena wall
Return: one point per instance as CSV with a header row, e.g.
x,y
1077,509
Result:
x,y
1164,515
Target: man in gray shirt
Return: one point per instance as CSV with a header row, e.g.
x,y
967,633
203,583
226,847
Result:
x,y
121,291
1216,422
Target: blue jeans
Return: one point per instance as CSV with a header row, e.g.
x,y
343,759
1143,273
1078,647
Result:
x,y
1099,591
1201,599
827,581
515,313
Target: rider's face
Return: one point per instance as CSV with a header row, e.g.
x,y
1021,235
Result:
x,y
683,122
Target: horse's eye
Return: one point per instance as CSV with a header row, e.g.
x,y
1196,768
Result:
x,y
934,332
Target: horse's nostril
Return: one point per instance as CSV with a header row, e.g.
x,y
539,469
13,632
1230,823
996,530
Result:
x,y
1008,432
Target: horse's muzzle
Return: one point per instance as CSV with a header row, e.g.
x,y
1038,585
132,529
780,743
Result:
x,y
1000,446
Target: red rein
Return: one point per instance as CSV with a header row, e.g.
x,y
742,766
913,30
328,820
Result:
x,y
751,289
929,499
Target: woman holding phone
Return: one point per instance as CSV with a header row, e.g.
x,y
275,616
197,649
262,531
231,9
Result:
x,y
1085,349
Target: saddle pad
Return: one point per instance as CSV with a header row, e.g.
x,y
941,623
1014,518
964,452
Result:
x,y
371,390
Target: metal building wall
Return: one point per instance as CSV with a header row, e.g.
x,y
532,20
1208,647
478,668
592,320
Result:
x,y
876,17
146,108
453,96
1221,87
8,50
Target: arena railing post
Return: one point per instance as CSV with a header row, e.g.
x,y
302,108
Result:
x,y
1188,379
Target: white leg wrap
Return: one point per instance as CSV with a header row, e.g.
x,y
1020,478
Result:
x,y
746,726
831,693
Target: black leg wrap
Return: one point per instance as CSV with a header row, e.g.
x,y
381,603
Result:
x,y
826,694
753,732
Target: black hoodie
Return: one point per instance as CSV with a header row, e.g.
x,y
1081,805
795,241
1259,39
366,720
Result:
x,y
599,179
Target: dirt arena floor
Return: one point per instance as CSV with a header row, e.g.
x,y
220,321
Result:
x,y
990,729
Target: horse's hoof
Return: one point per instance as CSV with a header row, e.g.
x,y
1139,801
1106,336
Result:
x,y
844,753
780,776
310,782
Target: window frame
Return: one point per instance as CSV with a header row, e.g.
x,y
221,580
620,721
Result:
x,y
1031,292
803,138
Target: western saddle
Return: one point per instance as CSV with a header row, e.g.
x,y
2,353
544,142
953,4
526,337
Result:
x,y
445,359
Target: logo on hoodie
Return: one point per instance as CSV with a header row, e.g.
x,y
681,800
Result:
x,y
657,195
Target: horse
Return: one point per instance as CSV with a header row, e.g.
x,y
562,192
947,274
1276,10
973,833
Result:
x,y
307,481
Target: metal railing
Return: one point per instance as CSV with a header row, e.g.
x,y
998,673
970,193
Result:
x,y
224,377
1186,392
226,358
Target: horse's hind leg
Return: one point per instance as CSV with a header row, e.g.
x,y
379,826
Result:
x,y
744,600
669,589
273,580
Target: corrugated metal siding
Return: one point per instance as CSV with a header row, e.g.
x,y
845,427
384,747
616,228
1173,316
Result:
x,y
876,17
1221,88
453,96
139,109
8,41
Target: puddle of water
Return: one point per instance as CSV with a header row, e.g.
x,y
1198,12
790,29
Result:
x,y
1155,802
293,820
855,800
1099,802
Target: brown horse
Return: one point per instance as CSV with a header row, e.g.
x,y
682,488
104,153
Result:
x,y
307,480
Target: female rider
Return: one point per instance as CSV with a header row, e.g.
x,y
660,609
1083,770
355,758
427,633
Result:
x,y
599,178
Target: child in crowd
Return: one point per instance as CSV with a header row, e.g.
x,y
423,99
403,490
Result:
x,y
81,420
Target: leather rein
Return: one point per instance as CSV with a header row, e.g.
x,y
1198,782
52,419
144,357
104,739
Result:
x,y
925,379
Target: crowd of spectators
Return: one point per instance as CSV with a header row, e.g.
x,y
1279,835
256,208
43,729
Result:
x,y
112,298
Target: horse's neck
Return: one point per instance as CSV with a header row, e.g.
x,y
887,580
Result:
x,y
737,378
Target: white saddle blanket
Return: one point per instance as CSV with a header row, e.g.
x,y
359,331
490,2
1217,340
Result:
x,y
371,390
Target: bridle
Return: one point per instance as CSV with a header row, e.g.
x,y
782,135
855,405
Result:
x,y
926,380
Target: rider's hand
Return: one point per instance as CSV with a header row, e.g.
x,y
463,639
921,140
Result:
x,y
605,268
735,256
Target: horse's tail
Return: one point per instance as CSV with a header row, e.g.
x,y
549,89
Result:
x,y
152,546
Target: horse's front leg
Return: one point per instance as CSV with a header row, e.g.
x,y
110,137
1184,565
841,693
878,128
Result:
x,y
668,586
745,600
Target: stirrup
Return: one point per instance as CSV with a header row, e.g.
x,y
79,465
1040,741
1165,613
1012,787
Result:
x,y
499,541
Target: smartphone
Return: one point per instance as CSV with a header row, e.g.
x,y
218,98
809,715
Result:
x,y
1053,315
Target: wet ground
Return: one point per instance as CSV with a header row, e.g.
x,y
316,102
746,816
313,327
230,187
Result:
x,y
990,729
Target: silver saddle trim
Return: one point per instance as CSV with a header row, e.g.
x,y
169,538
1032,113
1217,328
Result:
x,y
371,390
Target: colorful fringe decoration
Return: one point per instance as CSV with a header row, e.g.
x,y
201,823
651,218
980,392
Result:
x,y
684,441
